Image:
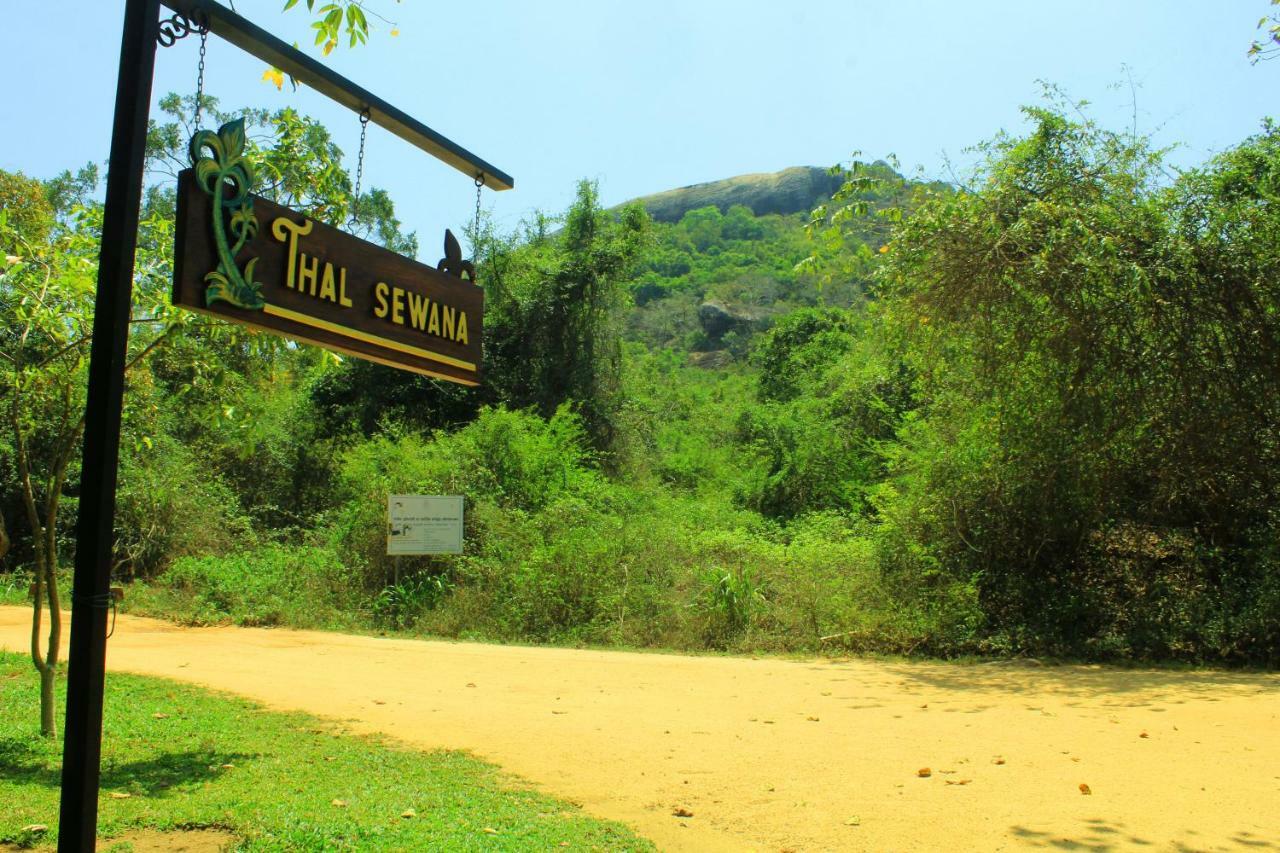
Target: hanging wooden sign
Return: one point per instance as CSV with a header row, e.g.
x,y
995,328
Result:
x,y
243,258
248,268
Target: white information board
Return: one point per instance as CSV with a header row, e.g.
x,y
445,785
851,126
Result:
x,y
424,524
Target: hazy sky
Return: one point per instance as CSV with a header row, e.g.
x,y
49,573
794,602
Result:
x,y
646,96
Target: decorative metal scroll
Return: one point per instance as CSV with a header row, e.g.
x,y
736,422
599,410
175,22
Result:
x,y
174,29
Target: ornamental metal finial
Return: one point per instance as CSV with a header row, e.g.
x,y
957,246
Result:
x,y
452,262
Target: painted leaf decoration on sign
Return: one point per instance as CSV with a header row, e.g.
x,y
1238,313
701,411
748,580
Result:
x,y
233,137
224,168
207,168
243,220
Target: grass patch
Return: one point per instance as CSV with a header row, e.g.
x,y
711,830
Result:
x,y
14,589
189,758
303,587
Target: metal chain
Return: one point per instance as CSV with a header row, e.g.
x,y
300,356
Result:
x,y
364,130
475,248
204,38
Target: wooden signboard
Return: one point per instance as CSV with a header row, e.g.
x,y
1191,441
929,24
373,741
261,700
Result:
x,y
274,269
244,259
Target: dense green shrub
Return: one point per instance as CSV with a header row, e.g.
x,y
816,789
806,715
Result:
x,y
169,507
403,602
270,585
1099,352
514,460
553,315
795,355
818,441
681,422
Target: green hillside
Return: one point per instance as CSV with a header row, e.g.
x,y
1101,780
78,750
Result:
x,y
719,273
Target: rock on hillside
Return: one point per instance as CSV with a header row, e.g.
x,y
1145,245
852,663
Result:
x,y
794,190
717,319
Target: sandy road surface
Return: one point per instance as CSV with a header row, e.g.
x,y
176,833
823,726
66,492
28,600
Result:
x,y
783,755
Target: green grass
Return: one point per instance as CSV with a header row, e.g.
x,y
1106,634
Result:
x,y
190,758
14,589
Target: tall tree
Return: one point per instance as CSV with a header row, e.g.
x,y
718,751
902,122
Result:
x,y
47,287
553,318
1099,356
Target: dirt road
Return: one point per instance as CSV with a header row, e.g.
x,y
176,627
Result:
x,y
785,755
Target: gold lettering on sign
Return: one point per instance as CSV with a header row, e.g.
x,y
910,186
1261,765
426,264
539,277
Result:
x,y
418,310
397,306
450,321
304,273
288,232
327,290
406,308
307,274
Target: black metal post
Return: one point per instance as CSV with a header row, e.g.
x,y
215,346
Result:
x,y
82,739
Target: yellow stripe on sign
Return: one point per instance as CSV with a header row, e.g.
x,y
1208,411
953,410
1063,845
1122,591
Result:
x,y
358,335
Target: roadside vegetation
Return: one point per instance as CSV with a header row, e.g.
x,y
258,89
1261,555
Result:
x,y
1030,412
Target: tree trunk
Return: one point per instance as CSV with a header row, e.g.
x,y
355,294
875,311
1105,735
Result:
x,y
48,727
49,672
48,723
46,663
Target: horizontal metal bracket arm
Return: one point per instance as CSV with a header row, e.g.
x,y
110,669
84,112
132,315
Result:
x,y
254,40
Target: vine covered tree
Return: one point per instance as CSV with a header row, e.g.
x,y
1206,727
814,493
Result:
x,y
554,314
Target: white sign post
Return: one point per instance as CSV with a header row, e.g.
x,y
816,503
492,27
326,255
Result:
x,y
424,524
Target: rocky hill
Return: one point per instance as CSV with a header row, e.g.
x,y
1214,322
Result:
x,y
794,190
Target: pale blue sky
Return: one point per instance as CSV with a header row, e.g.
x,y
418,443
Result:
x,y
645,96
